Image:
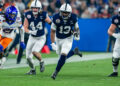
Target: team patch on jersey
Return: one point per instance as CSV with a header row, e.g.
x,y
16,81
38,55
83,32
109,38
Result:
x,y
116,20
28,16
41,17
57,21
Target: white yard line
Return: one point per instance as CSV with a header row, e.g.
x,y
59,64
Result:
x,y
11,63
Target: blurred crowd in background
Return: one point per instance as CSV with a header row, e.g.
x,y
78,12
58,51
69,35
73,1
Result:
x,y
83,8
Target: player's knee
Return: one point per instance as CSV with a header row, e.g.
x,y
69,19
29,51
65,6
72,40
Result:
x,y
28,59
115,61
64,54
35,53
63,57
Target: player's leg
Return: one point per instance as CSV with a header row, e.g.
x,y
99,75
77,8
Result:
x,y
20,54
65,48
1,55
4,42
58,51
115,59
1,47
74,52
36,51
13,45
29,56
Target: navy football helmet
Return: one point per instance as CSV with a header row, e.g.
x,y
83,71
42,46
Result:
x,y
11,13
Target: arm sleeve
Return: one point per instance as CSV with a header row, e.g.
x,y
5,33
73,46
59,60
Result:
x,y
53,26
22,34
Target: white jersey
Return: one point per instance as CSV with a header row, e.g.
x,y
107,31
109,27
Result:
x,y
9,30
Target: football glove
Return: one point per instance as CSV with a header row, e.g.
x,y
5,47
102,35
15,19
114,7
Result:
x,y
33,32
22,45
53,46
76,36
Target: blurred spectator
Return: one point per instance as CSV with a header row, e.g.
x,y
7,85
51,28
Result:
x,y
74,10
28,5
111,9
82,7
95,14
20,5
58,3
8,3
100,6
95,7
45,4
85,14
91,2
105,14
91,9
51,8
115,2
26,2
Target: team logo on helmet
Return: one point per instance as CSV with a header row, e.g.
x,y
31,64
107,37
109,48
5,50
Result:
x,y
57,20
116,20
28,16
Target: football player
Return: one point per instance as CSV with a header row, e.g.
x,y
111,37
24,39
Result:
x,y
9,23
34,24
64,25
116,51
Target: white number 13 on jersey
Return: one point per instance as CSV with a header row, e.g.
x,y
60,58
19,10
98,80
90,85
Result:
x,y
65,29
39,26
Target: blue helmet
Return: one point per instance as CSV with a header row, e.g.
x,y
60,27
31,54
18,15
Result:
x,y
11,13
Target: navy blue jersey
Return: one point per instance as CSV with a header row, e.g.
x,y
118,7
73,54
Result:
x,y
64,27
116,21
36,23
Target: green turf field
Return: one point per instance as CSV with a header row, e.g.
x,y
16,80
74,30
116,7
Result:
x,y
85,73
52,54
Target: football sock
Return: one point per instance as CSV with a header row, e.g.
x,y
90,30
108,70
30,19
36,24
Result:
x,y
30,62
115,68
115,63
71,53
61,62
3,60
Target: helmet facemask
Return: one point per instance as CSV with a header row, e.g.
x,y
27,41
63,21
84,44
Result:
x,y
36,7
65,15
65,11
35,10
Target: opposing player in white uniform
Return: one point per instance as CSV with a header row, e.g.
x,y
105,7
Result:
x,y
9,23
64,25
116,51
34,24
